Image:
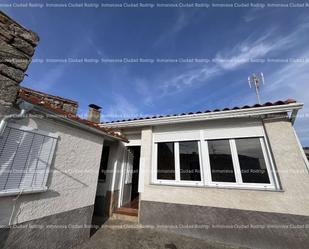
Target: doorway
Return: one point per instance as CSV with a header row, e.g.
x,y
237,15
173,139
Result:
x,y
129,199
136,151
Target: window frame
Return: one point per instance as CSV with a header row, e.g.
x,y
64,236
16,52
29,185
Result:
x,y
205,169
177,180
30,190
236,165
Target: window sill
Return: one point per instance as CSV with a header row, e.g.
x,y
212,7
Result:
x,y
200,185
14,192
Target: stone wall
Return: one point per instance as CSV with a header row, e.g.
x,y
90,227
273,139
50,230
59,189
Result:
x,y
17,45
57,102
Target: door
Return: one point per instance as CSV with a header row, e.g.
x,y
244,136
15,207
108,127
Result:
x,y
127,178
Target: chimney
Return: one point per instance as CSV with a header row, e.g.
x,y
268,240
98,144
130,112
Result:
x,y
94,113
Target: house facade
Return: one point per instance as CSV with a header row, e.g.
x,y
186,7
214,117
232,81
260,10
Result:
x,y
237,175
49,166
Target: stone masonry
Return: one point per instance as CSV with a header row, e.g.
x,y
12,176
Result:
x,y
17,45
67,105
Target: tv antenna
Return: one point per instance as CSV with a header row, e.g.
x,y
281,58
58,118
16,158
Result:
x,y
255,80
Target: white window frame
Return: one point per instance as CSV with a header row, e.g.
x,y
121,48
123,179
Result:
x,y
206,180
30,190
237,171
177,180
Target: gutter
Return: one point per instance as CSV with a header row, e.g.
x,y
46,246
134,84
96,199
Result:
x,y
250,112
24,107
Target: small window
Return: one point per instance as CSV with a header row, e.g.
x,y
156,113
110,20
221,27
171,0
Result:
x,y
166,161
251,161
189,161
25,158
221,161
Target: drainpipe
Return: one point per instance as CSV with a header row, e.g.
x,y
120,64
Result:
x,y
24,107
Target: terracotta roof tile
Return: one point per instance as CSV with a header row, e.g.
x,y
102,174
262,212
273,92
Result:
x,y
27,91
36,101
280,102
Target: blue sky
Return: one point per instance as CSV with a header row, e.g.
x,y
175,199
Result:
x,y
227,37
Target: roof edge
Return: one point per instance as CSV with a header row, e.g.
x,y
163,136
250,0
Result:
x,y
195,117
72,119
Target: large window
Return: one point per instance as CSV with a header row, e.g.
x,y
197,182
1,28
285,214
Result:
x,y
178,161
229,162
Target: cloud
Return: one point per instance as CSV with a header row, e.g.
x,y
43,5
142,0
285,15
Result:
x,y
120,108
191,78
254,48
291,81
96,48
181,22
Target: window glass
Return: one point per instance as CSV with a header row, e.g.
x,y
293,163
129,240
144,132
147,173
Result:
x,y
251,160
189,161
166,161
221,162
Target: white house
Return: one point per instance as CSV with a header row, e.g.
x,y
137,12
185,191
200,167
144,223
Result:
x,y
235,175
49,166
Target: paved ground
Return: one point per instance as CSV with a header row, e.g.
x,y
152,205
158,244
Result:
x,y
113,235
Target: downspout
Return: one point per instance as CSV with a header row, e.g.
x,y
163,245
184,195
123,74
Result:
x,y
24,107
293,116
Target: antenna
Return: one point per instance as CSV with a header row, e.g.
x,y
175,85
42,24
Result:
x,y
255,80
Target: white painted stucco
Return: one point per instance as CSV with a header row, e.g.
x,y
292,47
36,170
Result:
x,y
72,179
293,175
115,161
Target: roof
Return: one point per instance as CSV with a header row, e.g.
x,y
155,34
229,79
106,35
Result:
x,y
280,102
238,111
29,91
38,102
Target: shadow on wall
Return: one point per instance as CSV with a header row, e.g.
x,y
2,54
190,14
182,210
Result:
x,y
12,206
19,157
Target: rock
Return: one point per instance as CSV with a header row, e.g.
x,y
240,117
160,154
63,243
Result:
x,y
23,46
5,34
8,89
18,30
13,56
27,35
16,49
12,73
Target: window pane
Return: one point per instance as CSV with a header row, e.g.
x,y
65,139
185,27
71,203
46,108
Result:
x,y
251,160
189,161
221,162
166,161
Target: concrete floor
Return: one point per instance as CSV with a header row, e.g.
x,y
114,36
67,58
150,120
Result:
x,y
114,235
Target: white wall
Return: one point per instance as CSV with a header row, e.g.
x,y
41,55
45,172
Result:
x,y
72,180
292,171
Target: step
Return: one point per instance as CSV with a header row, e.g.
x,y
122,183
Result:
x,y
127,211
123,217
